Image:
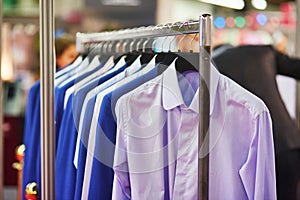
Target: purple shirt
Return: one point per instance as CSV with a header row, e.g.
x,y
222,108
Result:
x,y
157,141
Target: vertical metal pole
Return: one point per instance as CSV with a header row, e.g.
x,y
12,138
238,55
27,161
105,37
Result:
x,y
47,68
297,48
1,113
204,102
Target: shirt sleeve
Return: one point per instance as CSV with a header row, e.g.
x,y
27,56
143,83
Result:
x,y
258,172
121,184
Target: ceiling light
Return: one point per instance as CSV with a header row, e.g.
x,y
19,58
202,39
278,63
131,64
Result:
x,y
259,4
234,4
121,2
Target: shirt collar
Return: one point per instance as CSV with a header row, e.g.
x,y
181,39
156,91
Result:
x,y
171,94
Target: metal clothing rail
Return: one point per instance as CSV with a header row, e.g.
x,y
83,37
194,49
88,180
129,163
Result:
x,y
83,40
201,26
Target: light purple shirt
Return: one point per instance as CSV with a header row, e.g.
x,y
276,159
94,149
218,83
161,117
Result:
x,y
157,141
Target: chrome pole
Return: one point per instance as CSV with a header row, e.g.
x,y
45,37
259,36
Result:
x,y
47,67
204,103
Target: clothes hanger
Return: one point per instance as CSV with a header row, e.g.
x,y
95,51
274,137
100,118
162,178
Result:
x,y
85,67
145,56
108,67
191,57
164,58
107,58
103,53
130,56
185,60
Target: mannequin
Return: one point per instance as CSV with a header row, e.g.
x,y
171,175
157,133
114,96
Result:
x,y
254,67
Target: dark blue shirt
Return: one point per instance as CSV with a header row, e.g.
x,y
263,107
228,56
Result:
x,y
102,173
65,170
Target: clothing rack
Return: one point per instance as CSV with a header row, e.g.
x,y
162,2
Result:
x,y
84,42
47,41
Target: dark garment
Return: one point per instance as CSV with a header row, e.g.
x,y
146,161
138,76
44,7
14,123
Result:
x,y
255,68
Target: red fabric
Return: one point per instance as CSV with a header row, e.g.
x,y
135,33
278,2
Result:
x,y
31,197
11,134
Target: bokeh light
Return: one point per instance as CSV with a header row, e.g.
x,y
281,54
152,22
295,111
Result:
x,y
230,22
240,21
261,19
220,22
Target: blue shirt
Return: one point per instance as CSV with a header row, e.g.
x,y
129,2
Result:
x,y
87,114
65,170
82,149
102,172
30,139
32,156
65,173
132,72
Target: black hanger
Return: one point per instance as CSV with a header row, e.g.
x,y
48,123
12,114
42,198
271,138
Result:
x,y
130,57
187,61
184,62
146,57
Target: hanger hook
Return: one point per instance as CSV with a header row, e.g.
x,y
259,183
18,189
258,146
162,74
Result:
x,y
157,27
141,29
179,43
100,46
131,45
191,43
153,44
180,25
168,25
124,46
170,44
117,49
172,40
162,43
105,46
150,28
145,43
110,46
138,44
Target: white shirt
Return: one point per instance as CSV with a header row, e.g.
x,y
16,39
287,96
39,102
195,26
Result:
x,y
59,79
92,135
135,66
91,66
156,154
108,65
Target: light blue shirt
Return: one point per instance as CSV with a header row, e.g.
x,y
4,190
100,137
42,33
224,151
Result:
x,y
156,154
101,177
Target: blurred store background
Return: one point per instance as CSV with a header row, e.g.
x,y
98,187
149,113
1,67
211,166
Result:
x,y
235,22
